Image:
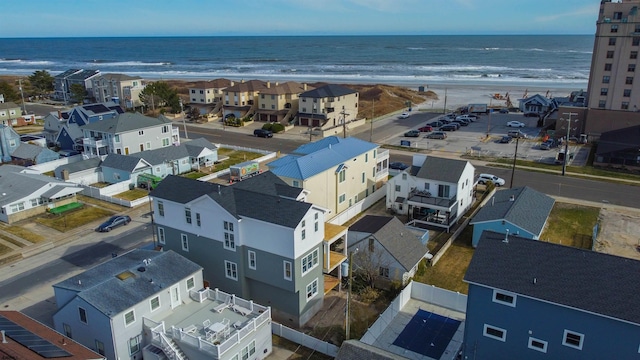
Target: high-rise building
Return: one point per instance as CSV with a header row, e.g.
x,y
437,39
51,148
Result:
x,y
614,84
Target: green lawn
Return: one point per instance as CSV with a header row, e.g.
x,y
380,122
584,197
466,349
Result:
x,y
571,225
74,219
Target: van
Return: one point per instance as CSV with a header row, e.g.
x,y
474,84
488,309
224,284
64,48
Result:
x,y
148,181
517,134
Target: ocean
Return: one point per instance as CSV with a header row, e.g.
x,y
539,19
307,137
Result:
x,y
558,61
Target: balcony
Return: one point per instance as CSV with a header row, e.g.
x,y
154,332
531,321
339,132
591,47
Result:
x,y
175,131
94,142
422,198
334,247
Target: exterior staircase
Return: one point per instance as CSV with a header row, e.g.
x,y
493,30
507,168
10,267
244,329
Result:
x,y
171,349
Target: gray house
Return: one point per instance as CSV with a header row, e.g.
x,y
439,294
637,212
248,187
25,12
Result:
x,y
537,300
128,133
175,160
9,142
383,245
257,238
520,211
153,302
116,168
28,154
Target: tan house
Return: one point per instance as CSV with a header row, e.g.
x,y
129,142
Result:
x,y
11,115
328,106
279,102
241,99
119,88
208,92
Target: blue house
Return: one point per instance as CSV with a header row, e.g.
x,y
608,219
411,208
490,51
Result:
x,y
70,134
521,211
29,154
537,300
117,168
175,160
9,142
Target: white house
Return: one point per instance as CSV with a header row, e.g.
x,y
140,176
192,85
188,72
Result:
x,y
433,191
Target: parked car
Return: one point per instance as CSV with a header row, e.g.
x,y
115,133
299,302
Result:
x,y
517,134
436,124
262,133
505,139
436,135
404,115
515,124
412,133
448,127
113,222
426,128
444,120
485,178
466,118
531,114
398,166
504,111
548,144
461,122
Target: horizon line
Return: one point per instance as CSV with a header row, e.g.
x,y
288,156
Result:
x,y
289,35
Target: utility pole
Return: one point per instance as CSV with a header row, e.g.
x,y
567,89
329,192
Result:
x,y
566,143
348,315
344,123
373,113
184,124
24,106
513,169
444,110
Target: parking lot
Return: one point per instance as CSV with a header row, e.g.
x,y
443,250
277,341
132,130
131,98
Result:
x,y
482,138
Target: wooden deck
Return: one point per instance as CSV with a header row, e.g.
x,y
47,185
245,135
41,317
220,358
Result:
x,y
335,259
332,232
330,283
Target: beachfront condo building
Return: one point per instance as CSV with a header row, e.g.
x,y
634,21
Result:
x,y
120,88
614,86
279,102
330,106
208,92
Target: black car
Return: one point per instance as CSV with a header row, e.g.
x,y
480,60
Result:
x,y
448,127
114,222
262,133
505,139
398,166
436,123
461,122
412,133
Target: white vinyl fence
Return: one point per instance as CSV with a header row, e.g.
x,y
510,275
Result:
x,y
304,339
360,206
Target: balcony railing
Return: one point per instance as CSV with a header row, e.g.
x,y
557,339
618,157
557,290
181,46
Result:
x,y
94,142
426,198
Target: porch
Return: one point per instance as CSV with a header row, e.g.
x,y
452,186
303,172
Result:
x,y
425,210
334,254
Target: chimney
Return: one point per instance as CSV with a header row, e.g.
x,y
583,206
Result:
x,y
304,87
4,338
535,281
512,198
268,84
506,237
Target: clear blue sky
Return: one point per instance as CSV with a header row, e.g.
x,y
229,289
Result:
x,y
78,18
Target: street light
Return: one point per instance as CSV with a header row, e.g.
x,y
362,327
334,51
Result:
x,y
513,169
566,143
184,124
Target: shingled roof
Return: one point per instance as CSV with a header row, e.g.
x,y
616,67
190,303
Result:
x,y
442,169
125,123
329,90
576,278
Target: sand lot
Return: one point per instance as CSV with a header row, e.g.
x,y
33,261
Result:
x,y
620,232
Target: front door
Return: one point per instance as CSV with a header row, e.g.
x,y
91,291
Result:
x,y
175,296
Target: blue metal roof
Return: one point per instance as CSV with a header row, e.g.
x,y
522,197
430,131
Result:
x,y
314,158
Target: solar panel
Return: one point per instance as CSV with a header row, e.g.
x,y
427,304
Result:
x,y
33,342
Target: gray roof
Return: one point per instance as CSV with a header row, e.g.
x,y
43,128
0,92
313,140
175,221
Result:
x,y
9,105
29,151
442,169
329,90
121,162
125,123
83,74
577,278
400,241
79,165
15,185
192,148
101,288
357,350
528,210
269,183
239,202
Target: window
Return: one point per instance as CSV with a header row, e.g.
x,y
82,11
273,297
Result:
x,y
614,28
617,15
231,270
315,226
191,283
160,208
624,105
631,67
607,67
342,198
140,132
83,315
573,339
494,332
604,91
134,345
17,207
296,183
610,54
286,265
612,41
637,29
312,289
165,142
304,234
198,222
185,242
116,138
398,188
633,55
363,177
504,298
228,226
67,330
187,215
627,93
99,347
384,272
155,303
229,241
161,238
310,261
404,176
252,260
342,175
635,41
605,79
252,348
602,104
129,318
443,191
537,344
629,80
303,224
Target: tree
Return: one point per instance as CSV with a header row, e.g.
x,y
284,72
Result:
x,y
370,263
9,92
194,113
78,93
41,82
160,94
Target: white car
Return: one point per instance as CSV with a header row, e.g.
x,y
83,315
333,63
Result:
x,y
466,118
404,115
515,124
485,178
